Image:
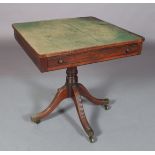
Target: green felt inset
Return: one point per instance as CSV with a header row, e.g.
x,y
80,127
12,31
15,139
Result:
x,y
51,36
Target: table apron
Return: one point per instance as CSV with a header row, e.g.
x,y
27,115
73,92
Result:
x,y
92,56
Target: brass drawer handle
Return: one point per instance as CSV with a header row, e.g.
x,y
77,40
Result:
x,y
127,50
60,61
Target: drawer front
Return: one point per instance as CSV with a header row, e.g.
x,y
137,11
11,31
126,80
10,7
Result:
x,y
86,57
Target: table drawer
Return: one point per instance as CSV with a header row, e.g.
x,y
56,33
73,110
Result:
x,y
92,56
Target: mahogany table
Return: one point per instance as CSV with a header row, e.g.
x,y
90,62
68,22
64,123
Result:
x,y
68,43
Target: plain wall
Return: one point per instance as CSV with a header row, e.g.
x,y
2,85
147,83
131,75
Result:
x,y
128,82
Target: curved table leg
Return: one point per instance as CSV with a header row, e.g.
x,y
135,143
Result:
x,y
81,114
61,94
85,93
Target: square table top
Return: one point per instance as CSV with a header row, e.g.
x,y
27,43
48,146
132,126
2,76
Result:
x,y
61,35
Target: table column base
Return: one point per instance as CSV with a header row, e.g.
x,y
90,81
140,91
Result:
x,y
73,89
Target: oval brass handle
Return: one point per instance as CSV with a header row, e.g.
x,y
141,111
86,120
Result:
x,y
60,61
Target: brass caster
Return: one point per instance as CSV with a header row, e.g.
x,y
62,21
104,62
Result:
x,y
35,121
91,139
106,101
107,107
90,133
106,104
